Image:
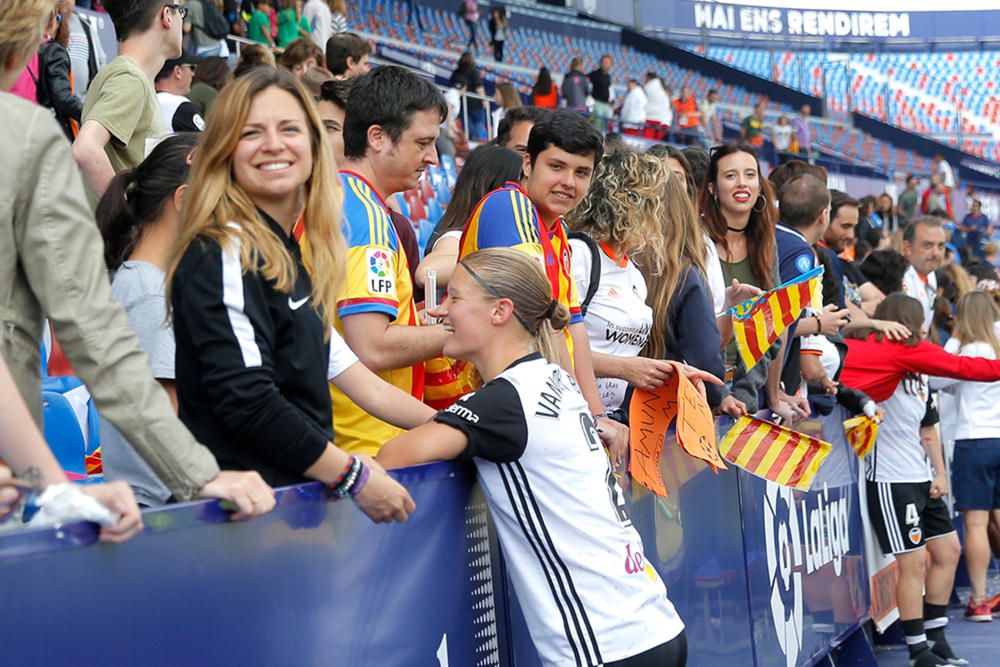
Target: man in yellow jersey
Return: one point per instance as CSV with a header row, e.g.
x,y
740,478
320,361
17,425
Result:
x,y
393,118
563,150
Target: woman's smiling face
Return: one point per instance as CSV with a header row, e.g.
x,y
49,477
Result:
x,y
737,185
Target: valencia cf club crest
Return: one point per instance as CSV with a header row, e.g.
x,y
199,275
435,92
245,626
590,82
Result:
x,y
915,534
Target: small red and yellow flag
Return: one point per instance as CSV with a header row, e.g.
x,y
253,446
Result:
x,y
774,452
758,322
861,433
94,463
447,380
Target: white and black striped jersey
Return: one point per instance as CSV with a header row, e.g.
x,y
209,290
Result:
x,y
899,455
576,561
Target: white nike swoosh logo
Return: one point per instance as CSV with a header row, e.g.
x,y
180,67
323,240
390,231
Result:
x,y
295,305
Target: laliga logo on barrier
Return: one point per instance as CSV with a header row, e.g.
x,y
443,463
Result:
x,y
781,540
821,537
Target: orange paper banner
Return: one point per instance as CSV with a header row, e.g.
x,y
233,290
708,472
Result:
x,y
650,416
695,425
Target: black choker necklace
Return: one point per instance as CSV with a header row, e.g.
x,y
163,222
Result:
x,y
735,229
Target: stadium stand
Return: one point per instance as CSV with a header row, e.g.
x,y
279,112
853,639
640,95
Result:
x,y
551,43
950,97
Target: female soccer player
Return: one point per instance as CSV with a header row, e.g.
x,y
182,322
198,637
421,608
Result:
x,y
576,561
905,472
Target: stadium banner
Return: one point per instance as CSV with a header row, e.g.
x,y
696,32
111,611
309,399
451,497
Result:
x,y
828,21
315,582
805,552
807,578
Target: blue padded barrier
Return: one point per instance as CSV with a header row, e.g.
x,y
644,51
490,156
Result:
x,y
315,583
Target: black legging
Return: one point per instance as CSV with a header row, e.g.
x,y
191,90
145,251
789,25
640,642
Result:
x,y
472,35
672,654
498,50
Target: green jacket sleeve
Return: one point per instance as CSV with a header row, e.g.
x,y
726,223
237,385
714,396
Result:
x,y
61,252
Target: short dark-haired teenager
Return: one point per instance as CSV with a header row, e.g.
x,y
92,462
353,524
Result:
x,y
393,119
562,152
515,126
332,107
347,55
121,115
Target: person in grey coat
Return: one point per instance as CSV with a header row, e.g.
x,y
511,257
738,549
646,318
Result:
x,y
51,265
576,86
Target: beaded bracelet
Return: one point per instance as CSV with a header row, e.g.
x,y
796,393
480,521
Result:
x,y
342,489
360,482
343,475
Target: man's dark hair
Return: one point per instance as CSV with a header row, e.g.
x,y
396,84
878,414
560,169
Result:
x,y
910,231
664,151
341,47
802,199
336,91
838,200
698,159
789,170
911,178
167,70
388,97
133,16
568,131
884,269
514,116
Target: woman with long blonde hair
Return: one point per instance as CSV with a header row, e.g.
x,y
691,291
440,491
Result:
x,y
254,329
975,470
530,433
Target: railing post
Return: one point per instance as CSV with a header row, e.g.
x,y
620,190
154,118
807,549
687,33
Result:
x,y
887,92
847,69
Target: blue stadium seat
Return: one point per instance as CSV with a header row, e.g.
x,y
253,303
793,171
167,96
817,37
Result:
x,y
63,431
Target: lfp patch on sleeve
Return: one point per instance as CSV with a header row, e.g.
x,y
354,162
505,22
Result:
x,y
804,262
381,276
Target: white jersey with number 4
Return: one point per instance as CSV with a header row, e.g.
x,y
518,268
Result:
x,y
576,561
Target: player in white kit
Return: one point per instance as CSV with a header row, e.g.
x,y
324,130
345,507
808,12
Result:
x,y
588,594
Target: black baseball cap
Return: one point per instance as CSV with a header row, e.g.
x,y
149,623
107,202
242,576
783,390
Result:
x,y
168,67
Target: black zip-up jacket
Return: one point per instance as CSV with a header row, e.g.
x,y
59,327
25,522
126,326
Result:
x,y
54,88
251,363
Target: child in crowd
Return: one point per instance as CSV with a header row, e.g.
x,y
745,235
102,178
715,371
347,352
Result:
x,y
139,217
291,24
259,26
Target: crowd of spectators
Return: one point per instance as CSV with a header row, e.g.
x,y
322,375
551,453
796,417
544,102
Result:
x,y
263,322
